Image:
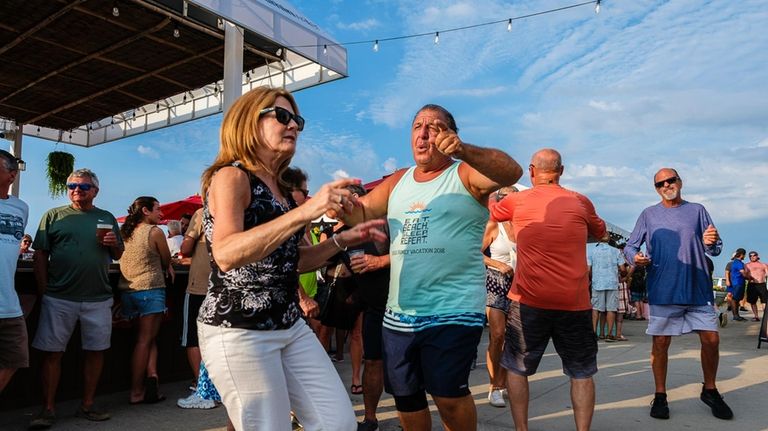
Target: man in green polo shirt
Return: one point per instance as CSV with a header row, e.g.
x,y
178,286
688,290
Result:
x,y
71,262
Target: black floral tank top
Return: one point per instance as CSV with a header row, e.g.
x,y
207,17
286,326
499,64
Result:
x,y
261,295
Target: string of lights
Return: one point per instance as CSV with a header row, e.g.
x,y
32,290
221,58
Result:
x,y
437,33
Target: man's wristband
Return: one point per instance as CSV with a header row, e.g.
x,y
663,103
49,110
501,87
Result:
x,y
333,237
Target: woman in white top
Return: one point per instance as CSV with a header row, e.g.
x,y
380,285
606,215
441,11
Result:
x,y
500,269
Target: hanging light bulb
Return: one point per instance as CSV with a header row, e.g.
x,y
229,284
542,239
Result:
x,y
376,46
325,49
597,6
509,25
437,37
176,31
115,10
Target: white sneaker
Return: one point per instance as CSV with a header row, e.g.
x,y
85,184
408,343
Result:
x,y
496,399
195,401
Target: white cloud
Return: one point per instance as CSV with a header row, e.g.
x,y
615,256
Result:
x,y
366,24
340,173
148,152
390,165
605,106
474,92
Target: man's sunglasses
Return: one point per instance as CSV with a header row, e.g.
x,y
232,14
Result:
x,y
82,186
752,255
669,181
285,116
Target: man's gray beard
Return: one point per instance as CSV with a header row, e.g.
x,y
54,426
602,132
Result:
x,y
671,195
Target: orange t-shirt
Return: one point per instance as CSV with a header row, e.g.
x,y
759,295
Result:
x,y
551,226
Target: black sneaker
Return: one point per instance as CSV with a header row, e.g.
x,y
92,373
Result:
x,y
659,407
714,400
367,425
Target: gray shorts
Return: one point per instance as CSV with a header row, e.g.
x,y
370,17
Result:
x,y
605,300
58,318
681,319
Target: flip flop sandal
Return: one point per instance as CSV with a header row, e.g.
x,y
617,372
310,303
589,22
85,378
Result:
x,y
356,389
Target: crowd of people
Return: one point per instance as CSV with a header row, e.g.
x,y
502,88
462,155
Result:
x,y
409,276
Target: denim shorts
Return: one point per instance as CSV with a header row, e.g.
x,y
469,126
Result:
x,y
140,303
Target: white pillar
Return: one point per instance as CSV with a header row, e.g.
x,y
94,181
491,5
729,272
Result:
x,y
233,64
16,151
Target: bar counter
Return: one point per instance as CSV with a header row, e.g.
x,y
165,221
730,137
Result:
x,y
24,388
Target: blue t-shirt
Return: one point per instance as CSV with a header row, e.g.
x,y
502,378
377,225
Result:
x,y
737,278
605,261
678,271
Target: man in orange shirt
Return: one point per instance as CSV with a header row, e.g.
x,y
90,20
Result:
x,y
550,293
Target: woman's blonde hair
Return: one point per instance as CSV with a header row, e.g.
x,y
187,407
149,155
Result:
x,y
240,137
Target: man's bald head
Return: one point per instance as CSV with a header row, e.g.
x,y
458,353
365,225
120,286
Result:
x,y
547,160
546,167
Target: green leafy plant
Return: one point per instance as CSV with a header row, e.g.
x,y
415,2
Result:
x,y
60,165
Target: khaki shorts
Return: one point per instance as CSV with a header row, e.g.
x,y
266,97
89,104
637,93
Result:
x,y
58,318
14,349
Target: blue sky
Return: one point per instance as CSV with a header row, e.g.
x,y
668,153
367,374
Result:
x,y
642,85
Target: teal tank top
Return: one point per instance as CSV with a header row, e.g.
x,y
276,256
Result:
x,y
437,271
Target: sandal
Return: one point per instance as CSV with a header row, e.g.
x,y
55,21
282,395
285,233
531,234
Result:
x,y
622,338
356,389
152,391
610,339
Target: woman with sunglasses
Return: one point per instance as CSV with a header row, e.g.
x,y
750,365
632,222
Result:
x,y
25,252
142,282
500,268
260,355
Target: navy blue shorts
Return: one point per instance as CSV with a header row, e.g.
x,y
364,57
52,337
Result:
x,y
737,291
436,359
529,330
372,343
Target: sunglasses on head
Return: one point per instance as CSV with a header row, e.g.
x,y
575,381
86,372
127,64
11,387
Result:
x,y
669,181
82,186
284,116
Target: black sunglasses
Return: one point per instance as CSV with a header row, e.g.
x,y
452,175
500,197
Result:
x,y
284,116
670,181
752,255
82,186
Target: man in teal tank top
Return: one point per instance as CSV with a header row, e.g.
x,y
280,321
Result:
x,y
436,212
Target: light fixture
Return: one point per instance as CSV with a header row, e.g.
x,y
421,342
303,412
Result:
x,y
325,49
376,46
437,37
509,25
115,10
176,31
597,6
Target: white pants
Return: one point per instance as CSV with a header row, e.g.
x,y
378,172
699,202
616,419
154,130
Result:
x,y
262,375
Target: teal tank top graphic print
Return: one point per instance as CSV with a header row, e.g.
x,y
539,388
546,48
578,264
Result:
x,y
437,272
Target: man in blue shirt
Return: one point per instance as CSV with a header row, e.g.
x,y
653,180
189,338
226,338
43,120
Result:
x,y
604,265
677,234
736,282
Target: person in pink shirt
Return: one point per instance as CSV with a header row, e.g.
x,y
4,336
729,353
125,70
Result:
x,y
550,292
756,287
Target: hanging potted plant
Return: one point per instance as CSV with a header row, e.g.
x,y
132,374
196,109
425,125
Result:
x,y
60,165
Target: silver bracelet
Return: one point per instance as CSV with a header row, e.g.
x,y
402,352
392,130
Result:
x,y
333,237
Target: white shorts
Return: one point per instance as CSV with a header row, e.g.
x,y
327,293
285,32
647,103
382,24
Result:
x,y
605,300
58,318
681,319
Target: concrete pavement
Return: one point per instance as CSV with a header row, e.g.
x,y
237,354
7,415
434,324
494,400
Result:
x,y
624,392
